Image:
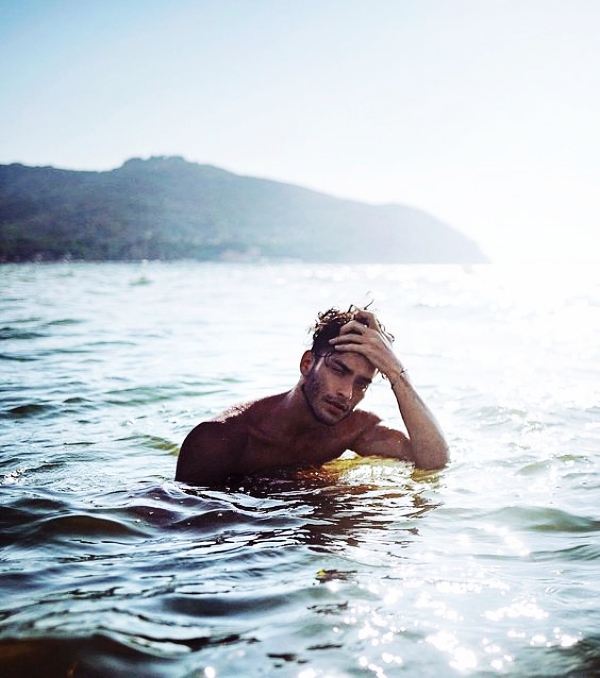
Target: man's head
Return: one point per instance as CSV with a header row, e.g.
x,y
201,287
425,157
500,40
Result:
x,y
333,383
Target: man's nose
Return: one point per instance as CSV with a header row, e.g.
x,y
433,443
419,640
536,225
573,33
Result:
x,y
345,389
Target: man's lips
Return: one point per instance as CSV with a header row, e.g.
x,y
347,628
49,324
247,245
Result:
x,y
338,405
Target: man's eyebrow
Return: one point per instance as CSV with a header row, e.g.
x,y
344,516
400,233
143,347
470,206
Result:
x,y
341,365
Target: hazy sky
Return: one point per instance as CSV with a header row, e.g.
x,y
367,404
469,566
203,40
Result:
x,y
485,113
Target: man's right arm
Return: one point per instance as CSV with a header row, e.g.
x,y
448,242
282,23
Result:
x,y
210,454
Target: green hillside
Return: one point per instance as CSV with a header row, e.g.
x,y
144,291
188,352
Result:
x,y
167,208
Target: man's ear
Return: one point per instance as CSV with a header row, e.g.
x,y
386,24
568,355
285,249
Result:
x,y
307,362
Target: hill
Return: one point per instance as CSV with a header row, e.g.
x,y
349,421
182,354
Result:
x,y
168,208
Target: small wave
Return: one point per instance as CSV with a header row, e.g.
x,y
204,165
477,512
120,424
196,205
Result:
x,y
142,395
154,443
61,322
142,281
101,654
47,518
17,358
542,519
77,404
29,410
578,553
16,334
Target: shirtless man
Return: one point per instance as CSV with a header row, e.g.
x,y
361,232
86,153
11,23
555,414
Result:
x,y
317,421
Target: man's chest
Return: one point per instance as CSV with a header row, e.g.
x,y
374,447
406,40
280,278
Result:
x,y
270,448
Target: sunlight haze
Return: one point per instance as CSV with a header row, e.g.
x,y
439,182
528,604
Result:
x,y
483,114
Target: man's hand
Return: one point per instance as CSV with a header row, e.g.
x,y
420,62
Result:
x,y
366,336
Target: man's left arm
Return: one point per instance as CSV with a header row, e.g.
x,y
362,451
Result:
x,y
425,446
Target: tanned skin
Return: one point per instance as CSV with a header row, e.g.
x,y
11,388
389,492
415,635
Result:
x,y
317,421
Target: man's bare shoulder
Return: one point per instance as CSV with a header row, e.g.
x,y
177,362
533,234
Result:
x,y
214,449
373,438
244,413
231,426
362,421
211,449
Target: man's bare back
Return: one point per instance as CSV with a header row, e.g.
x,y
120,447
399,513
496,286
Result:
x,y
317,421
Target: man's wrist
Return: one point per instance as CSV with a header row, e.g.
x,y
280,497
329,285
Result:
x,y
397,376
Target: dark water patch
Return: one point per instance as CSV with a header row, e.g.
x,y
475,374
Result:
x,y
579,553
77,400
154,514
142,281
582,660
176,592
25,319
18,358
9,333
34,500
77,405
80,443
579,660
47,355
64,322
29,410
101,655
236,603
220,520
541,519
60,352
113,343
144,395
324,526
83,528
556,520
245,537
24,529
153,443
286,658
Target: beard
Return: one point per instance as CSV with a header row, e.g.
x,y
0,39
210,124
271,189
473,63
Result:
x,y
325,409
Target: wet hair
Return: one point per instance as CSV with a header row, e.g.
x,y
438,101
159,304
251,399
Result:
x,y
328,325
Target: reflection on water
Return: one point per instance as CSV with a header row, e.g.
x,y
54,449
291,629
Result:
x,y
211,565
361,568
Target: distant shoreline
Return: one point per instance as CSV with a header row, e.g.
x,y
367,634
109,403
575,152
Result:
x,y
169,209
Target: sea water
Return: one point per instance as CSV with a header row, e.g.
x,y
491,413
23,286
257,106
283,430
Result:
x,y
365,567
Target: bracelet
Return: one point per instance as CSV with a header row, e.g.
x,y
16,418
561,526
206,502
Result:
x,y
393,383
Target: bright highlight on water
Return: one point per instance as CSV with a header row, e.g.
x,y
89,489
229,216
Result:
x,y
363,568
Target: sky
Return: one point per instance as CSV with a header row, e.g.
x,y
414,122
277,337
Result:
x,y
483,113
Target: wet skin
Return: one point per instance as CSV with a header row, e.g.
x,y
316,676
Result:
x,y
318,419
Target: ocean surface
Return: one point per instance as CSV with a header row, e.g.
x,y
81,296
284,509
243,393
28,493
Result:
x,y
109,568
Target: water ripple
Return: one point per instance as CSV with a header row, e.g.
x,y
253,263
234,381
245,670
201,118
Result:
x,y
362,568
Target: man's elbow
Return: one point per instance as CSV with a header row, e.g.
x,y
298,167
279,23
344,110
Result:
x,y
433,459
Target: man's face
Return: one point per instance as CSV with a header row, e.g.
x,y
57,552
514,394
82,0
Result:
x,y
333,385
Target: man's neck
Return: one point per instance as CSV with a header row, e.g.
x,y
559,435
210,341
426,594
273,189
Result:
x,y
295,415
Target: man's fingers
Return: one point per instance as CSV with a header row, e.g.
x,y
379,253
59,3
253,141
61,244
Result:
x,y
367,318
353,327
348,338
